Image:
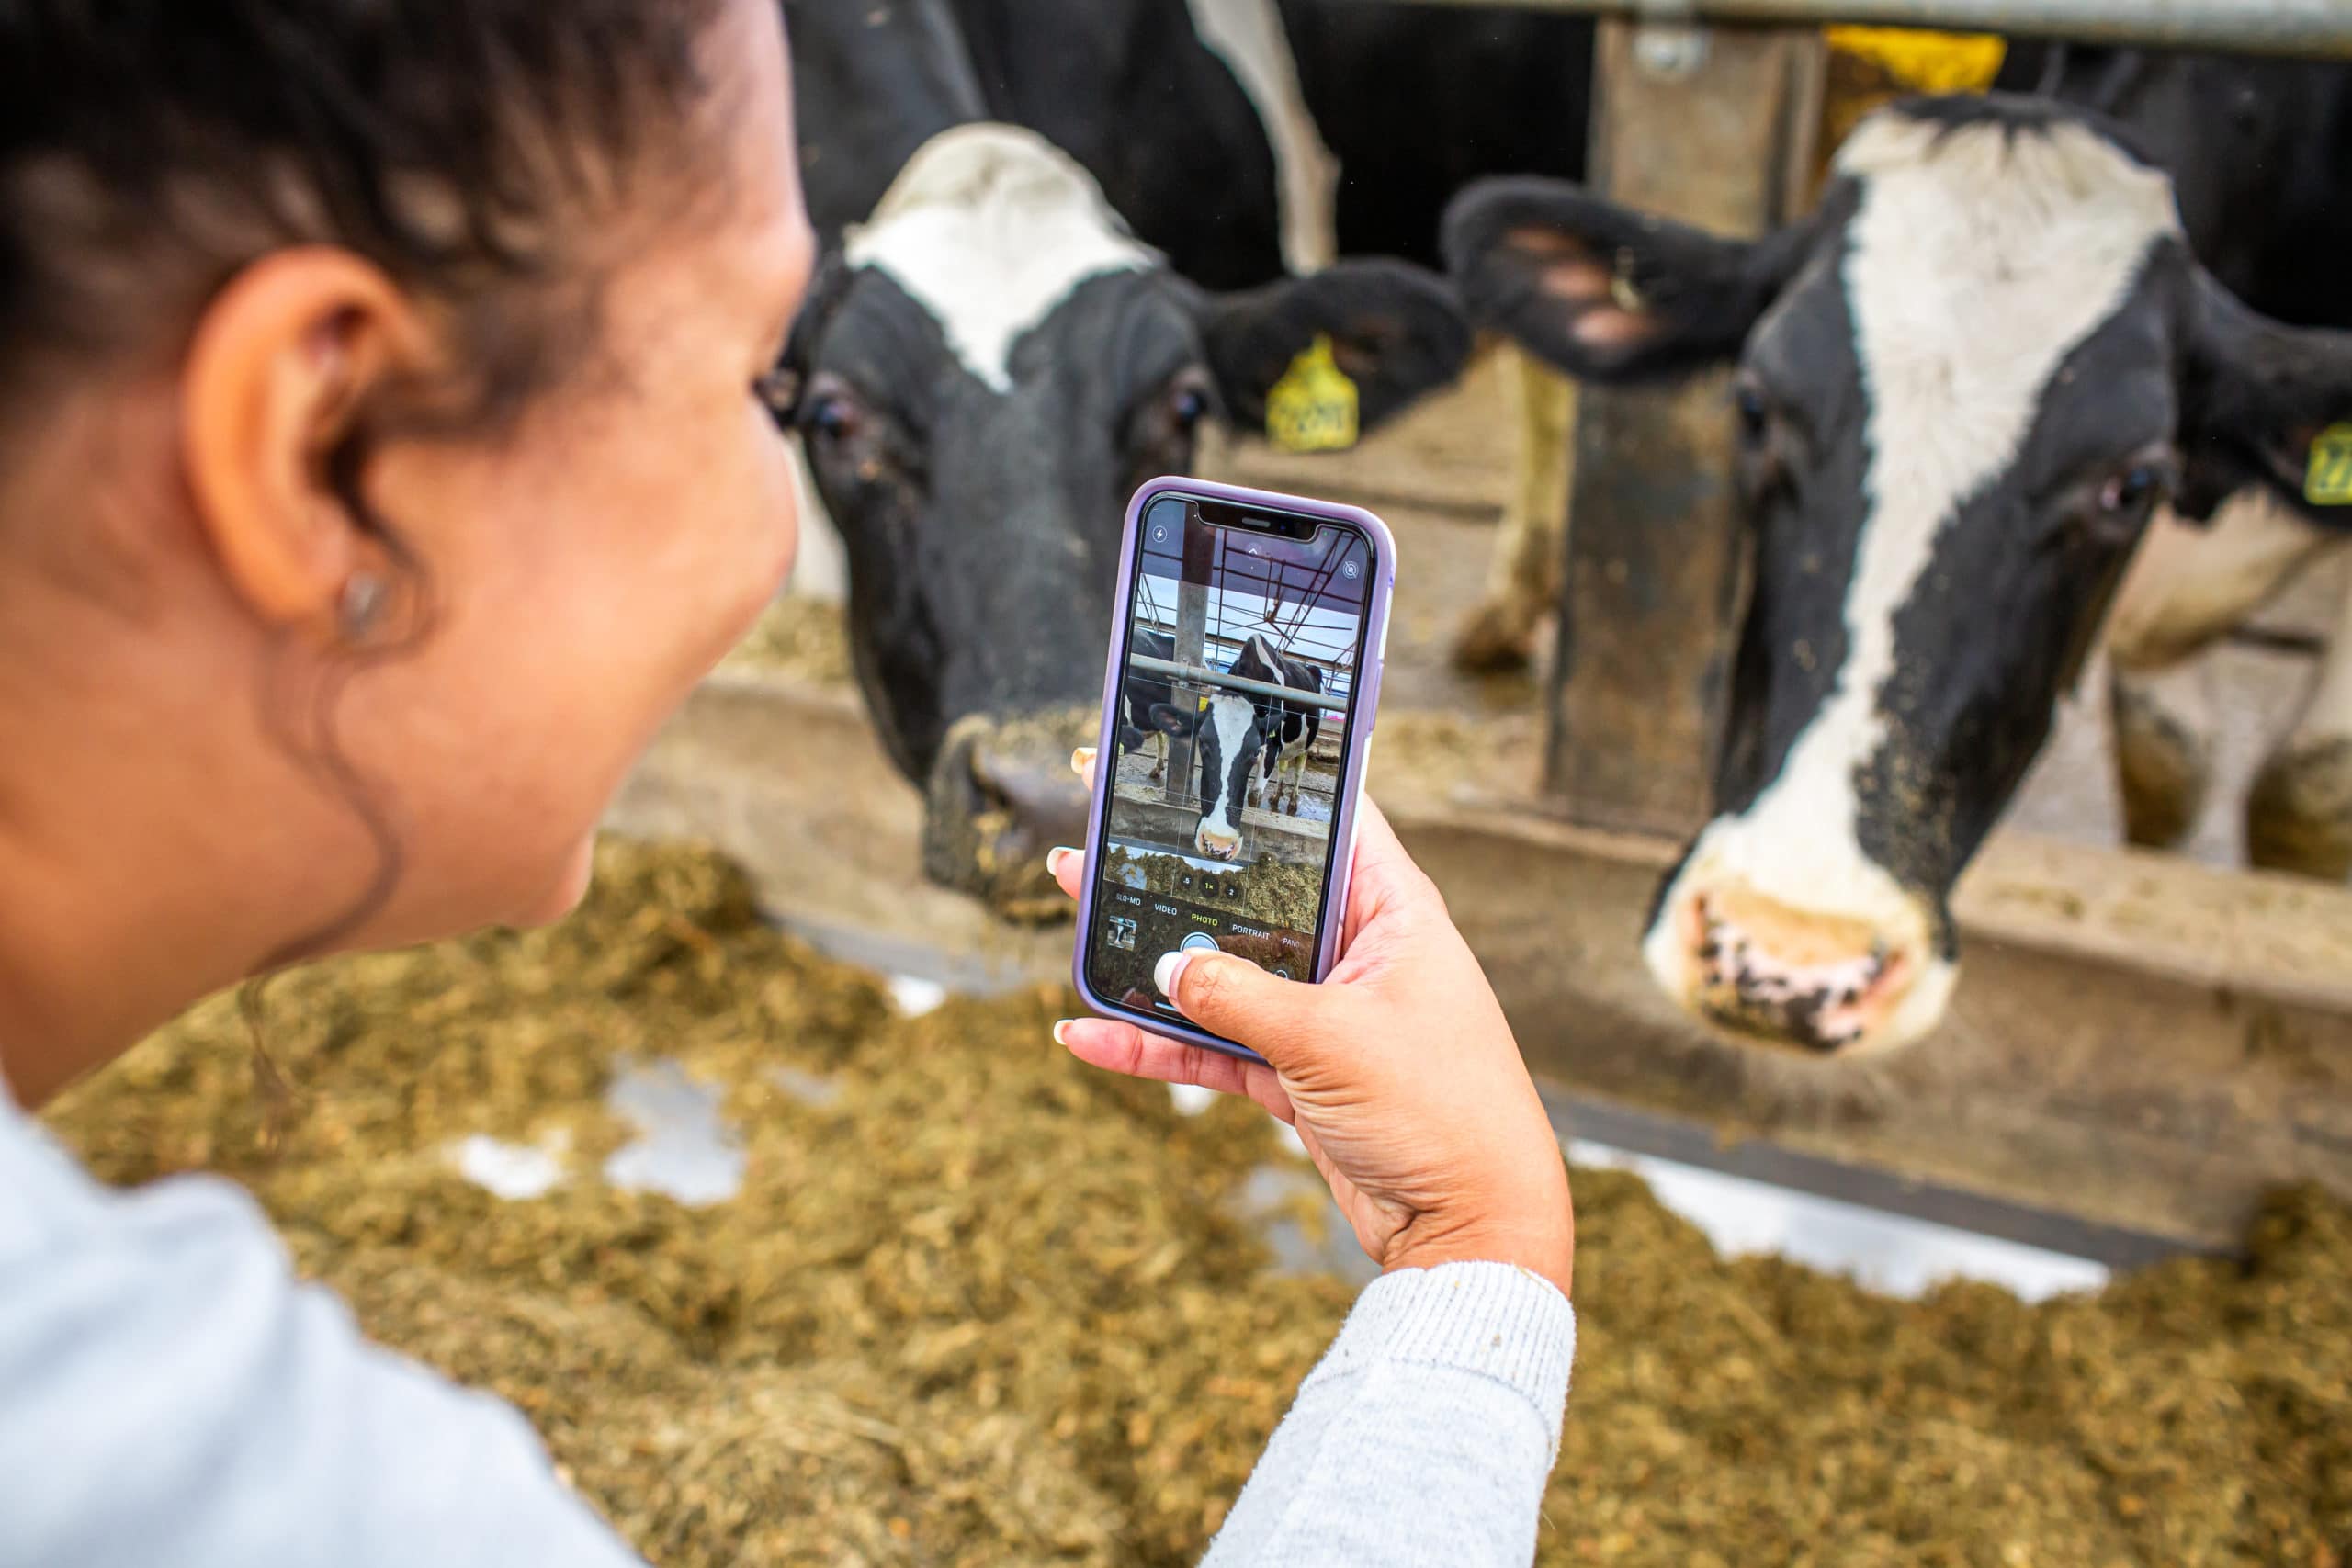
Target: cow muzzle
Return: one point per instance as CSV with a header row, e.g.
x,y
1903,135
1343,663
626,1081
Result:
x,y
1216,843
1000,796
1771,971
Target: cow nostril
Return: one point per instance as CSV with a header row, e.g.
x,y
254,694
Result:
x,y
1000,796
1791,975
1039,798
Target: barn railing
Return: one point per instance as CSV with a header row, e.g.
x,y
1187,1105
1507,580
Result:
x,y
1192,674
2319,29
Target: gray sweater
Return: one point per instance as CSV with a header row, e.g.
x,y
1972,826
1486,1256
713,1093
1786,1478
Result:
x,y
170,1394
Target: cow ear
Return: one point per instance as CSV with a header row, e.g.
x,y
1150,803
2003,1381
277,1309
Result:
x,y
2264,403
1394,332
1602,291
1173,720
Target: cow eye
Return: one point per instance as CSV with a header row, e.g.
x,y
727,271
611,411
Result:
x,y
1188,400
2119,508
2132,491
1754,416
829,412
1189,406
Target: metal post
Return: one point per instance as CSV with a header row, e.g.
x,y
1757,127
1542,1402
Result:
x,y
1713,127
1191,639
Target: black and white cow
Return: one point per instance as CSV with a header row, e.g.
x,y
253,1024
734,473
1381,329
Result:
x,y
1242,742
1965,382
872,81
2260,155
1248,138
1140,694
988,366
1288,730
1243,138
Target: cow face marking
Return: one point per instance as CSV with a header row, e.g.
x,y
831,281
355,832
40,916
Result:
x,y
990,228
1230,744
1965,383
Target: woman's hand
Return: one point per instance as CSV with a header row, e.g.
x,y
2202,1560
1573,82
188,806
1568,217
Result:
x,y
1399,1071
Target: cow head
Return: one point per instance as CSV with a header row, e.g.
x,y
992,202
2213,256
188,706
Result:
x,y
1228,738
990,366
1962,386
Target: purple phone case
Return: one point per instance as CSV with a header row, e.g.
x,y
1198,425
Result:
x,y
1343,833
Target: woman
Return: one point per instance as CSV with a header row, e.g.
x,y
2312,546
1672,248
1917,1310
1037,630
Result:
x,y
383,455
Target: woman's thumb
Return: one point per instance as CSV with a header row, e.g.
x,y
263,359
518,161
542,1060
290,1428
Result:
x,y
1233,996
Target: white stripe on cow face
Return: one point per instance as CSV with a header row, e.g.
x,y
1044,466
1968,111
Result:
x,y
989,228
1225,775
1980,255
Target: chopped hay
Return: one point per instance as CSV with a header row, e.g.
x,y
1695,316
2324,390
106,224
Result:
x,y
1274,891
982,1305
802,637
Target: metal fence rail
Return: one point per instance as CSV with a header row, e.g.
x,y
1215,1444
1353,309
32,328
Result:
x,y
1192,674
2320,29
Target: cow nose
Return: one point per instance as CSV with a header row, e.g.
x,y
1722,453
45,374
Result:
x,y
1218,846
1767,969
1001,797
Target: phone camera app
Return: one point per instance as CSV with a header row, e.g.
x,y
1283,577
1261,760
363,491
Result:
x,y
1230,740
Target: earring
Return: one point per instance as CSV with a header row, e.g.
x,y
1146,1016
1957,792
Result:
x,y
363,600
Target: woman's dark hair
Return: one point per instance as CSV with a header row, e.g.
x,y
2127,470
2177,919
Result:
x,y
148,148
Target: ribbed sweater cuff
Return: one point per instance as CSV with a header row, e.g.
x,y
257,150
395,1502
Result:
x,y
1495,1319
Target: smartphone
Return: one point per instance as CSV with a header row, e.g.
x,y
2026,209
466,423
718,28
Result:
x,y
1238,708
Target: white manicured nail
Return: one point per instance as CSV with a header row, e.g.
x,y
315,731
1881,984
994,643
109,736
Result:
x,y
1169,971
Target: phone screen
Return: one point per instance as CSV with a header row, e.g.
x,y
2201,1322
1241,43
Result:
x,y
1234,727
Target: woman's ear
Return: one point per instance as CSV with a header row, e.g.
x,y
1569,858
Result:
x,y
282,362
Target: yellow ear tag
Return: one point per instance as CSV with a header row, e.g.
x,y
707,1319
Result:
x,y
1313,407
2328,481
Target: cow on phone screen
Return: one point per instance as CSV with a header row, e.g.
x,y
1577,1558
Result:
x,y
1243,742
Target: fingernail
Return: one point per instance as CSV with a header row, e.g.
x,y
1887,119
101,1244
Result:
x,y
1079,758
1169,971
1054,858
1061,1033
